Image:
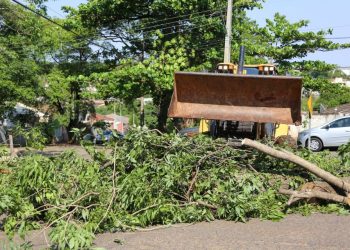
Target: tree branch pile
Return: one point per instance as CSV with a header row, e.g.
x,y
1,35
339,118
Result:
x,y
149,178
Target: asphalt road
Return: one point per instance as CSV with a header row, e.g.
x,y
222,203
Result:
x,y
294,232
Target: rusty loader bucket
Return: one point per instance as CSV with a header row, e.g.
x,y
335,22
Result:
x,y
253,98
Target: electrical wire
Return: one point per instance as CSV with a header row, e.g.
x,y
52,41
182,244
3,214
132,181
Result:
x,y
56,23
111,38
213,14
54,11
336,38
20,45
334,27
146,31
15,30
177,17
163,35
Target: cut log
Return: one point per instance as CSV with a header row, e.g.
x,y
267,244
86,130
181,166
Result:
x,y
317,186
297,195
328,177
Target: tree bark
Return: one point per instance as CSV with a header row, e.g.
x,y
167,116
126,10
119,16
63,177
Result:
x,y
328,177
314,194
164,103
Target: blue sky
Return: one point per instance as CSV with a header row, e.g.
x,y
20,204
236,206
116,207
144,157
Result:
x,y
321,14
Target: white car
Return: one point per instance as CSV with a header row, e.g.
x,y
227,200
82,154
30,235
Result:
x,y
332,134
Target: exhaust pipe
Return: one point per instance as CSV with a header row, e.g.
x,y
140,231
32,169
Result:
x,y
241,60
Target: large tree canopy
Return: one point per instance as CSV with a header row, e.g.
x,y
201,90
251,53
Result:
x,y
129,49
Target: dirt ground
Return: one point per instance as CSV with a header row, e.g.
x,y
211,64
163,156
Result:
x,y
55,150
294,232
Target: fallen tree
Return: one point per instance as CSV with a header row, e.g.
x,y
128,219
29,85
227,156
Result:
x,y
151,179
309,190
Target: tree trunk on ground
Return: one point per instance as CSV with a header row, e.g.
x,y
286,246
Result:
x,y
328,177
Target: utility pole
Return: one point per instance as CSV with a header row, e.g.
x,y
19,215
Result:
x,y
227,51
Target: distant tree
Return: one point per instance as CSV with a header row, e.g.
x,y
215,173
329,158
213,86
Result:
x,y
21,52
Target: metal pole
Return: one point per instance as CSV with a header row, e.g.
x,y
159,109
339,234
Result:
x,y
241,60
227,51
309,144
310,107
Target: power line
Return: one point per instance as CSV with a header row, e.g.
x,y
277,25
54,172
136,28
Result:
x,y
176,26
56,23
146,30
336,38
14,29
176,17
23,18
334,27
54,11
164,35
20,45
106,37
213,14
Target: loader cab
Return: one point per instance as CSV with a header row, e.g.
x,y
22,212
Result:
x,y
250,69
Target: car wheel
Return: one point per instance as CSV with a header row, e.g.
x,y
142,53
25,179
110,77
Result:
x,y
316,144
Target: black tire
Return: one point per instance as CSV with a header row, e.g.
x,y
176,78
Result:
x,y
316,144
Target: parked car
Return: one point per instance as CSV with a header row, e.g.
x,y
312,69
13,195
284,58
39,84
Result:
x,y
103,137
98,135
332,134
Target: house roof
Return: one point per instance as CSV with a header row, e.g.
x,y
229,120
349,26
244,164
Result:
x,y
111,118
123,119
344,109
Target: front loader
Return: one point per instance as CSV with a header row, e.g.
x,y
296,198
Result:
x,y
237,97
231,97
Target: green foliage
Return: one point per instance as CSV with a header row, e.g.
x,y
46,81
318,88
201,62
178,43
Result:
x,y
4,151
333,95
77,134
344,153
147,179
71,236
289,42
33,137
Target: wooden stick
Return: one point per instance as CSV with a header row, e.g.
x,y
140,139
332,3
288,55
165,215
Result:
x,y
195,174
328,177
